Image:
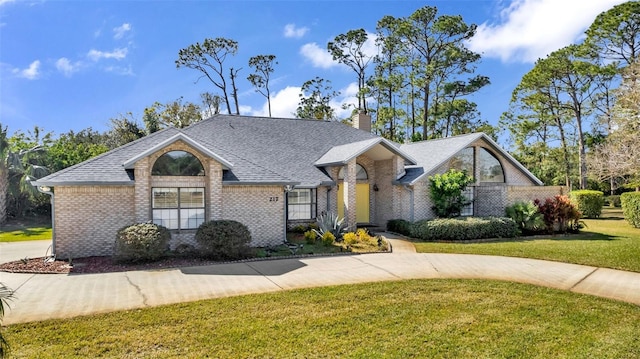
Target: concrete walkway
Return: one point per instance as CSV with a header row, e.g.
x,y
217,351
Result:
x,y
47,296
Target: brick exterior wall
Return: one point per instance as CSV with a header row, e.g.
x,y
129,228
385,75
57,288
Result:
x,y
531,193
87,218
260,208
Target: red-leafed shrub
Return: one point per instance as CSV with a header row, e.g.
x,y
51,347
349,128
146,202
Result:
x,y
559,214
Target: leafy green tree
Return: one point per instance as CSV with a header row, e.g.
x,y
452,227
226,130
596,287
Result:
x,y
172,114
315,97
4,172
616,33
209,58
447,192
210,103
263,66
348,49
26,162
123,129
72,148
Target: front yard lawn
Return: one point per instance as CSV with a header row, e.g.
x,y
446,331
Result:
x,y
26,229
403,319
607,242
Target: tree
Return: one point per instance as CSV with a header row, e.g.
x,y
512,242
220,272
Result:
x,y
347,49
315,96
447,192
25,163
172,114
616,33
263,67
211,104
72,148
617,159
209,58
4,172
123,130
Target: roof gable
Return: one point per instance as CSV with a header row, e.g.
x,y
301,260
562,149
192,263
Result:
x,y
432,154
340,155
129,164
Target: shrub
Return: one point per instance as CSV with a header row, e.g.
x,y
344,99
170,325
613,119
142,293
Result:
x,y
224,240
559,214
399,226
613,200
328,238
301,228
447,192
310,237
330,222
588,202
631,207
350,238
526,215
141,242
451,229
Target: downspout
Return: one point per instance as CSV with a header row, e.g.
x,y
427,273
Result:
x,y
411,211
286,189
49,191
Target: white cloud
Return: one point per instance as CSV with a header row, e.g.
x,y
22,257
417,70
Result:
x,y
532,29
117,54
30,73
119,70
120,31
4,2
283,104
291,31
66,67
319,57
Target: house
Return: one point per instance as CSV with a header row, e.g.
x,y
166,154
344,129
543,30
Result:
x,y
270,173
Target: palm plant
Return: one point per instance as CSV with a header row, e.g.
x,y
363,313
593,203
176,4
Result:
x,y
17,171
6,295
526,215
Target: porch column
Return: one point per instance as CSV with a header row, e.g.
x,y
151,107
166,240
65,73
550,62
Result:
x,y
349,194
142,191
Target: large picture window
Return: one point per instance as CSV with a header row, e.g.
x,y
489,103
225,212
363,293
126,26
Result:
x,y
178,208
490,168
301,204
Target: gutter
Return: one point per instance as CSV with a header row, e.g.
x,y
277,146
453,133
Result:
x,y
49,191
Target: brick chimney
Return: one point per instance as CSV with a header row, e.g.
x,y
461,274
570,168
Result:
x,y
362,121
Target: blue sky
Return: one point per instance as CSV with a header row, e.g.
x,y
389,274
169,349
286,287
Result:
x,y
70,65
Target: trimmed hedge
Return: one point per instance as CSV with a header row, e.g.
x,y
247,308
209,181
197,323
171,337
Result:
x,y
224,240
141,242
588,202
631,207
399,226
451,229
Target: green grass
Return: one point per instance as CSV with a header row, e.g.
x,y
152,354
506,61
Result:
x,y
607,242
26,229
404,319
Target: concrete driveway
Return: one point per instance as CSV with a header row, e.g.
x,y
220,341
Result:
x,y
13,251
48,296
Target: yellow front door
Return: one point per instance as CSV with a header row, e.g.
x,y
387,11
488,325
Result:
x,y
362,202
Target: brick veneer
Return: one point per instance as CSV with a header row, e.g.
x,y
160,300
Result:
x,y
88,217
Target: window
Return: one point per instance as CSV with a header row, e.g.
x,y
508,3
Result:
x,y
177,163
468,195
178,208
463,161
361,173
490,167
301,203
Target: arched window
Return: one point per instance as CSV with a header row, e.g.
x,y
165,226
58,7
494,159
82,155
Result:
x,y
463,161
177,163
490,168
361,173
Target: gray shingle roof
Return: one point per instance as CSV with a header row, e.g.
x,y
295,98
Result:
x,y
262,150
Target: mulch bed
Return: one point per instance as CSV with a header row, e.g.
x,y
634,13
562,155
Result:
x,y
95,265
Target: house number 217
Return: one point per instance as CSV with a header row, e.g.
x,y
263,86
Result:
x,y
273,199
